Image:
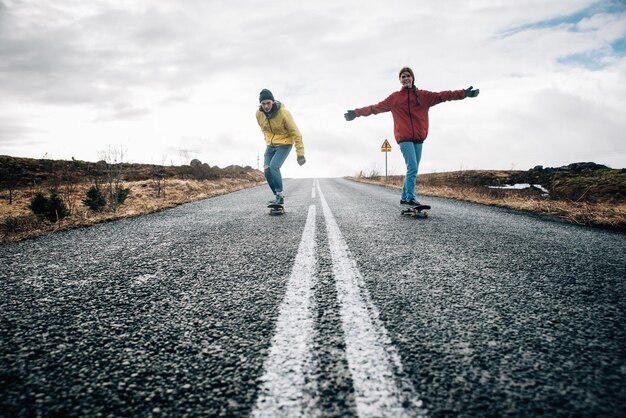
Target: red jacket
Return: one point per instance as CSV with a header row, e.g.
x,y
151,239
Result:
x,y
410,119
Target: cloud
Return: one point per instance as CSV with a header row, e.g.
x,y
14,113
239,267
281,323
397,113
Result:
x,y
13,133
170,76
588,37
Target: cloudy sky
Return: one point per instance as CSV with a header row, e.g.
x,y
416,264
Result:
x,y
166,81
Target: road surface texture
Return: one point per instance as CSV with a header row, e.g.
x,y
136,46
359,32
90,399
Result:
x,y
340,307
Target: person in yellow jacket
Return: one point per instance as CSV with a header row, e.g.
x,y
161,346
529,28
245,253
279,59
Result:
x,y
281,133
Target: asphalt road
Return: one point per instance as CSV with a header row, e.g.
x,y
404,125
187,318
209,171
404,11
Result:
x,y
340,307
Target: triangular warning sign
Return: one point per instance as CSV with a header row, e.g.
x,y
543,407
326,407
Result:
x,y
385,147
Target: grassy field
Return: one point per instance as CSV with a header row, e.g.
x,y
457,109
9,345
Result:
x,y
17,222
582,193
587,195
150,189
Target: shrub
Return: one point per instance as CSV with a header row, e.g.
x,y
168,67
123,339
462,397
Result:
x,y
121,195
52,208
58,210
94,199
39,204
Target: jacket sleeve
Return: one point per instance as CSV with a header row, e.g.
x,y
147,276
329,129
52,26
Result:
x,y
384,106
434,98
294,132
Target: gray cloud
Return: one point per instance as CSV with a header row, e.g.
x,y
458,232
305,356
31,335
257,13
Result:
x,y
169,70
14,134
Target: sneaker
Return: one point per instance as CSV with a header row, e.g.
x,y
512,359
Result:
x,y
279,200
410,202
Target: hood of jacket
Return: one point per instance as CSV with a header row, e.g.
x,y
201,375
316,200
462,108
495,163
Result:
x,y
273,111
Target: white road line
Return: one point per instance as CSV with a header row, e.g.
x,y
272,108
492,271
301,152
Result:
x,y
287,388
313,189
380,388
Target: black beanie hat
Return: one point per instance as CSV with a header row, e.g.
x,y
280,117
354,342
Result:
x,y
266,95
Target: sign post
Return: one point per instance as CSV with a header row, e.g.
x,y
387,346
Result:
x,y
385,147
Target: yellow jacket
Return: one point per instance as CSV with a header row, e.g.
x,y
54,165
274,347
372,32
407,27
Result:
x,y
280,129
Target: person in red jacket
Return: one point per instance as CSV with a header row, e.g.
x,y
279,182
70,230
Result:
x,y
409,108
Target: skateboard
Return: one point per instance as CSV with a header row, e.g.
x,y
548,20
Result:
x,y
415,211
276,209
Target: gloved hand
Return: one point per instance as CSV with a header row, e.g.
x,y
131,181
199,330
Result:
x,y
470,92
301,160
349,115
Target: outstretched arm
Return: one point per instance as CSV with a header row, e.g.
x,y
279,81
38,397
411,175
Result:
x,y
384,106
430,98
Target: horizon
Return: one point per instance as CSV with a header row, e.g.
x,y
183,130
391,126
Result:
x,y
289,177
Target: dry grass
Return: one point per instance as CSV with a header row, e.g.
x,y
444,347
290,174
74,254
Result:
x,y
605,215
17,221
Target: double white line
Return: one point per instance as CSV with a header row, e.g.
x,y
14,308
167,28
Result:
x,y
381,390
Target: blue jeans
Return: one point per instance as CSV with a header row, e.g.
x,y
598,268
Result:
x,y
272,161
412,152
